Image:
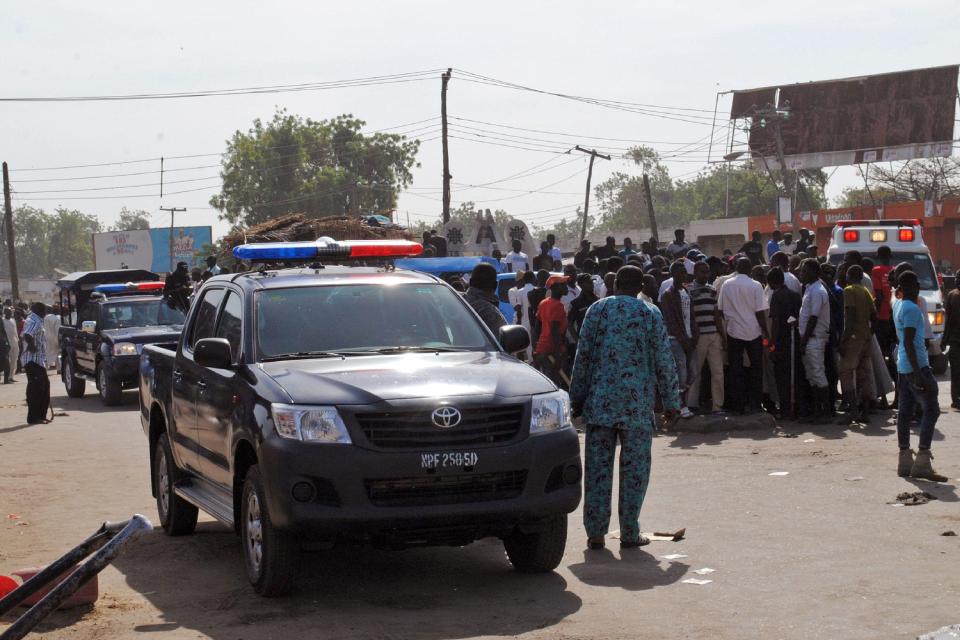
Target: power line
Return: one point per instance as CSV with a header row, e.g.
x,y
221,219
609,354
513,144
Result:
x,y
414,76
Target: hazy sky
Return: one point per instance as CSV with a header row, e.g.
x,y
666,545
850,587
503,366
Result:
x,y
674,54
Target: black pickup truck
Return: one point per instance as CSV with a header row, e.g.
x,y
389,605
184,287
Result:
x,y
106,318
308,407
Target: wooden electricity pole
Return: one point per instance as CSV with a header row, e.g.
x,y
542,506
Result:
x,y
172,211
444,79
593,153
8,224
653,218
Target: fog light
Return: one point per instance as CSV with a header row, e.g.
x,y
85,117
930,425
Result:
x,y
302,492
571,474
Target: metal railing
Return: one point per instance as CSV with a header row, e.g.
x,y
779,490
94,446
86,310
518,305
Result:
x,y
106,542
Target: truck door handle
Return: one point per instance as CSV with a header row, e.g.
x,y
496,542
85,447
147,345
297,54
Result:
x,y
201,384
177,373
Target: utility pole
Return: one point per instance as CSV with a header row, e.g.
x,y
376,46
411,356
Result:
x,y
172,210
593,153
8,219
653,218
444,79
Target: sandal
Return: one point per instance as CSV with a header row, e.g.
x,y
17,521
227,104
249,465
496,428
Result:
x,y
595,544
642,541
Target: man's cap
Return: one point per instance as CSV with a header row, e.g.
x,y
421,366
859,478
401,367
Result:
x,y
552,280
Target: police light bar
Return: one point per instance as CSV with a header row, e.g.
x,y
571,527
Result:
x,y
128,287
326,248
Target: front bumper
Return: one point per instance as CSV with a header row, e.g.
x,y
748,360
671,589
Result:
x,y
123,369
344,476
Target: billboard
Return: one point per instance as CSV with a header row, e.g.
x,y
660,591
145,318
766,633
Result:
x,y
878,118
150,248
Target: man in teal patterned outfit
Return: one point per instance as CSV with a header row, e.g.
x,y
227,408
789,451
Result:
x,y
622,356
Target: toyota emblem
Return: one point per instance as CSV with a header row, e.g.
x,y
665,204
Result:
x,y
446,417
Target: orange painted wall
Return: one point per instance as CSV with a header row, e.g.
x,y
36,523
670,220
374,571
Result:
x,y
939,229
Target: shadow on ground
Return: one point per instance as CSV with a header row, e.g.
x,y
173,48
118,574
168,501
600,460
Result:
x,y
198,582
633,570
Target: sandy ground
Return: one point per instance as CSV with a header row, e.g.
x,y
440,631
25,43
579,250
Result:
x,y
818,553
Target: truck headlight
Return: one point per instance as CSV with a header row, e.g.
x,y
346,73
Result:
x,y
935,317
310,423
124,349
550,412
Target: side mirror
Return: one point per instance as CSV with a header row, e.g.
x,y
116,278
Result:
x,y
88,326
214,353
514,338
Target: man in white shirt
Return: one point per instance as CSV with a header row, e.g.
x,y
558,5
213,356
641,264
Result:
x,y
10,329
744,308
51,331
212,265
788,246
679,247
790,281
518,300
554,251
814,327
517,260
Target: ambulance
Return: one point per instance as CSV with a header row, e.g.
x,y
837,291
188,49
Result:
x,y
905,239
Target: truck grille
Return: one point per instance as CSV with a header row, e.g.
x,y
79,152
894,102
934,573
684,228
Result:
x,y
439,490
414,429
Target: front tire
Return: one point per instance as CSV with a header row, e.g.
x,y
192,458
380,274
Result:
x,y
539,552
270,555
111,391
177,516
75,387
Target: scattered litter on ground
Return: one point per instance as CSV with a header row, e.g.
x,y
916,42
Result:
x,y
944,633
909,498
755,451
810,440
704,571
60,414
855,478
677,556
949,532
697,581
779,473
787,435
13,516
22,523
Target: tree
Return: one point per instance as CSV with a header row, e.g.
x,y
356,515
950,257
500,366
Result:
x,y
931,179
132,220
71,247
46,241
320,168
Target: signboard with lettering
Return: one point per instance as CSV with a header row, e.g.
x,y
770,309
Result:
x,y
150,248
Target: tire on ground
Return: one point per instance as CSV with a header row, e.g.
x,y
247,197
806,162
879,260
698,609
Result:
x,y
178,517
279,551
75,386
111,391
538,552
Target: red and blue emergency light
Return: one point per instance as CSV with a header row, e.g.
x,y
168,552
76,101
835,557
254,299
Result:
x,y
129,287
326,248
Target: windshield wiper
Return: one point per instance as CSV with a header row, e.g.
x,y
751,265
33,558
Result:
x,y
415,350
303,355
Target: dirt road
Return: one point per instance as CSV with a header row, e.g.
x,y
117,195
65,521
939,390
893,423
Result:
x,y
817,553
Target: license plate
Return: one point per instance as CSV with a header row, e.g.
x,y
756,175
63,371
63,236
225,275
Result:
x,y
447,460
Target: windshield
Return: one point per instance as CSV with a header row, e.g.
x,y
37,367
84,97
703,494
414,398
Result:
x,y
145,313
364,318
920,262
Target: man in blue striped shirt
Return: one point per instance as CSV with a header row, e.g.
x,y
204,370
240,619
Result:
x,y
34,361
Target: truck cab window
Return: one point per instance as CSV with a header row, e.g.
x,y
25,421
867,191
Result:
x,y
206,315
230,324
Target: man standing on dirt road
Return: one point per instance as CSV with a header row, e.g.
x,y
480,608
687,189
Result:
x,y
34,360
622,358
916,384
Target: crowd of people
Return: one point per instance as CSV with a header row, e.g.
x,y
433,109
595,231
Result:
x,y
29,346
772,327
